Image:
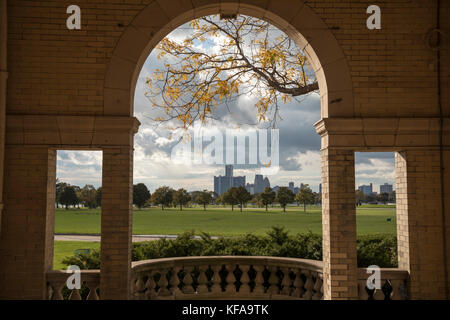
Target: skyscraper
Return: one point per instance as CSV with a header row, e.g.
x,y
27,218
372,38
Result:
x,y
366,189
291,186
223,183
386,188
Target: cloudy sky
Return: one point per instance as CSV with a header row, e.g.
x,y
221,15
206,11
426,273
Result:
x,y
155,165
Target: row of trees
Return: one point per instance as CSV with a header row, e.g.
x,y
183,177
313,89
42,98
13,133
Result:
x,y
166,196
88,196
284,196
361,197
69,195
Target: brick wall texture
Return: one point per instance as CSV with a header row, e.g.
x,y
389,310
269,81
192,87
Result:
x,y
59,72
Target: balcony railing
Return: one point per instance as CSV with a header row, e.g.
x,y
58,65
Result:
x,y
227,277
57,289
222,277
393,285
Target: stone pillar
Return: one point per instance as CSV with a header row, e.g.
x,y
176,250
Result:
x,y
420,222
339,224
117,198
26,242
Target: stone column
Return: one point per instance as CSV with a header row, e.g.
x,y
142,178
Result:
x,y
26,243
117,198
420,222
339,224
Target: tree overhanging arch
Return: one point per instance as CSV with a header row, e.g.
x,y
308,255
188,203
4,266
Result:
x,y
301,24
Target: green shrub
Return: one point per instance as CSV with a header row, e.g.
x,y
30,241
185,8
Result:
x,y
378,250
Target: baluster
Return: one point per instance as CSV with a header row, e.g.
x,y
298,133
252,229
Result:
x,y
163,284
398,290
230,280
175,282
245,280
150,284
188,281
273,281
216,279
362,292
379,294
286,282
309,286
92,285
139,288
318,288
259,280
57,291
298,284
75,295
202,280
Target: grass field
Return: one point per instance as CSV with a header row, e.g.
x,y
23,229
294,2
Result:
x,y
215,221
222,221
65,249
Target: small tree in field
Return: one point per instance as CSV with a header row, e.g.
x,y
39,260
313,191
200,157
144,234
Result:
x,y
181,197
162,196
305,196
285,196
88,196
98,197
229,197
267,197
204,198
241,195
68,197
140,195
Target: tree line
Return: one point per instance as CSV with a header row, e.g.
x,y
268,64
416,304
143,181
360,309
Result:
x,y
235,196
361,197
88,196
70,195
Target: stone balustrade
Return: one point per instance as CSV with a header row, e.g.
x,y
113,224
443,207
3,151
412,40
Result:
x,y
227,277
57,290
393,285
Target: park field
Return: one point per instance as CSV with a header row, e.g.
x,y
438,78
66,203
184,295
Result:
x,y
221,221
215,221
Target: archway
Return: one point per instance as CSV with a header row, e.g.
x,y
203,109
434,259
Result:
x,y
311,34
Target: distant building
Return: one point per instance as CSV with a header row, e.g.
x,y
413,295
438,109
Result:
x,y
223,183
261,183
320,188
250,188
366,189
296,190
239,181
291,186
386,188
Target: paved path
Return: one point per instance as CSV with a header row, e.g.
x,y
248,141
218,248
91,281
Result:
x,y
96,238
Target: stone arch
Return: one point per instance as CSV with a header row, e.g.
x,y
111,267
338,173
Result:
x,y
296,18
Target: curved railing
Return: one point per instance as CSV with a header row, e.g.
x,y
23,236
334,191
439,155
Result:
x,y
227,277
57,289
393,285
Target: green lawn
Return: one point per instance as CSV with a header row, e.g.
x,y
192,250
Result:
x,y
222,221
65,249
215,220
